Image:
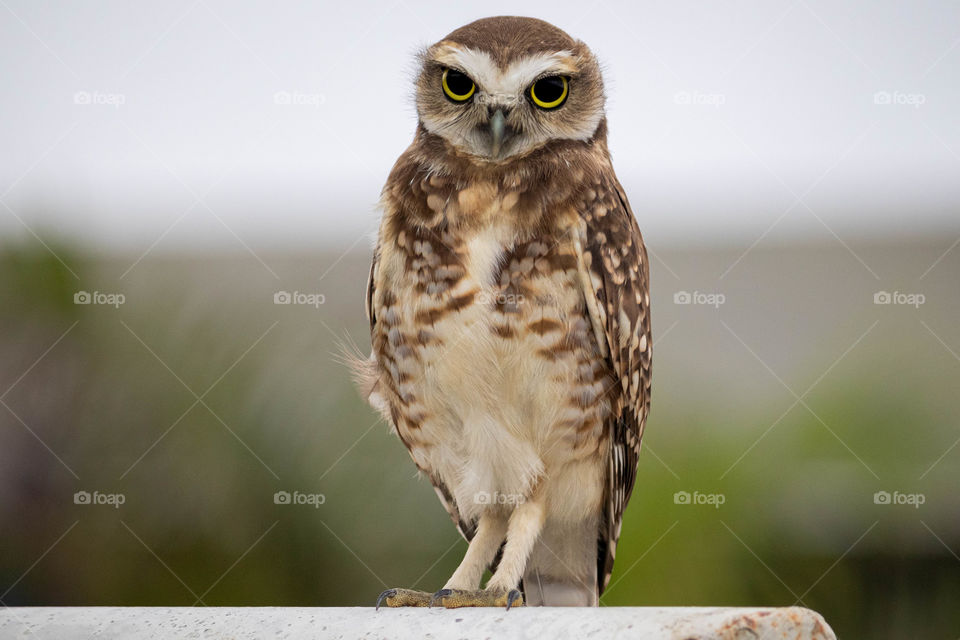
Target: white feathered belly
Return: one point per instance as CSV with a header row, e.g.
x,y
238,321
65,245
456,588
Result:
x,y
498,412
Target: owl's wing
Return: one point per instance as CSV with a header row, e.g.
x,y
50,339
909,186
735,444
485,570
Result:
x,y
466,528
615,277
371,287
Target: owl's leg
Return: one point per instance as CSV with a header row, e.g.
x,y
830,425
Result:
x,y
491,530
524,527
526,522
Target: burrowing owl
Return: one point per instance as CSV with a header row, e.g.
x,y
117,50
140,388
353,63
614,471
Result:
x,y
509,314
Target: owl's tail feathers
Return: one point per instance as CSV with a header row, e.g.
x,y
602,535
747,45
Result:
x,y
544,591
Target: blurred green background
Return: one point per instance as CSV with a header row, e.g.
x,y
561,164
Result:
x,y
199,398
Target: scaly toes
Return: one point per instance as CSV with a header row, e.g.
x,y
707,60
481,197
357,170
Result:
x,y
404,598
455,598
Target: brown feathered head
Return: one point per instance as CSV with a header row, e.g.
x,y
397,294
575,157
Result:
x,y
502,87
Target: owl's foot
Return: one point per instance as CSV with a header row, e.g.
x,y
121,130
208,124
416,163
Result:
x,y
404,598
455,598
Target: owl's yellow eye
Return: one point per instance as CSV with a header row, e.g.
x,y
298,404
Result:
x,y
458,86
550,92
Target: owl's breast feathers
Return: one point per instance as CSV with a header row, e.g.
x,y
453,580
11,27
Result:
x,y
562,210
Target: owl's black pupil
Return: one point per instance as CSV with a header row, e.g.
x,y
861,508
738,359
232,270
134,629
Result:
x,y
549,89
459,83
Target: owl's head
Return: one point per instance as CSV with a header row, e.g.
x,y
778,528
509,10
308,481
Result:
x,y
501,87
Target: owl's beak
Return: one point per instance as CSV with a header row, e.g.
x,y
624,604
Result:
x,y
498,132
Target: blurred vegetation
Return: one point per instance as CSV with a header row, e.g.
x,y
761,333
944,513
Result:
x,y
199,398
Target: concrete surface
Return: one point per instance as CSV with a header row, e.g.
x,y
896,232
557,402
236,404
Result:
x,y
680,623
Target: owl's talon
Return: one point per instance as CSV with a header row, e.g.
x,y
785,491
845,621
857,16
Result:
x,y
404,598
456,598
389,593
439,595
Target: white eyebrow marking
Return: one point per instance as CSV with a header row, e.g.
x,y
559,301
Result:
x,y
514,80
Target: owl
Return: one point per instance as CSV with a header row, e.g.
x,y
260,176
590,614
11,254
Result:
x,y
509,315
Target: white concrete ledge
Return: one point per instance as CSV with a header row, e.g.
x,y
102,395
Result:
x,y
348,623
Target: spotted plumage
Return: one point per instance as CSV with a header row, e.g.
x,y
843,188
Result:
x,y
509,313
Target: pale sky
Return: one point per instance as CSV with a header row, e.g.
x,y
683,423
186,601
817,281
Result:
x,y
128,125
